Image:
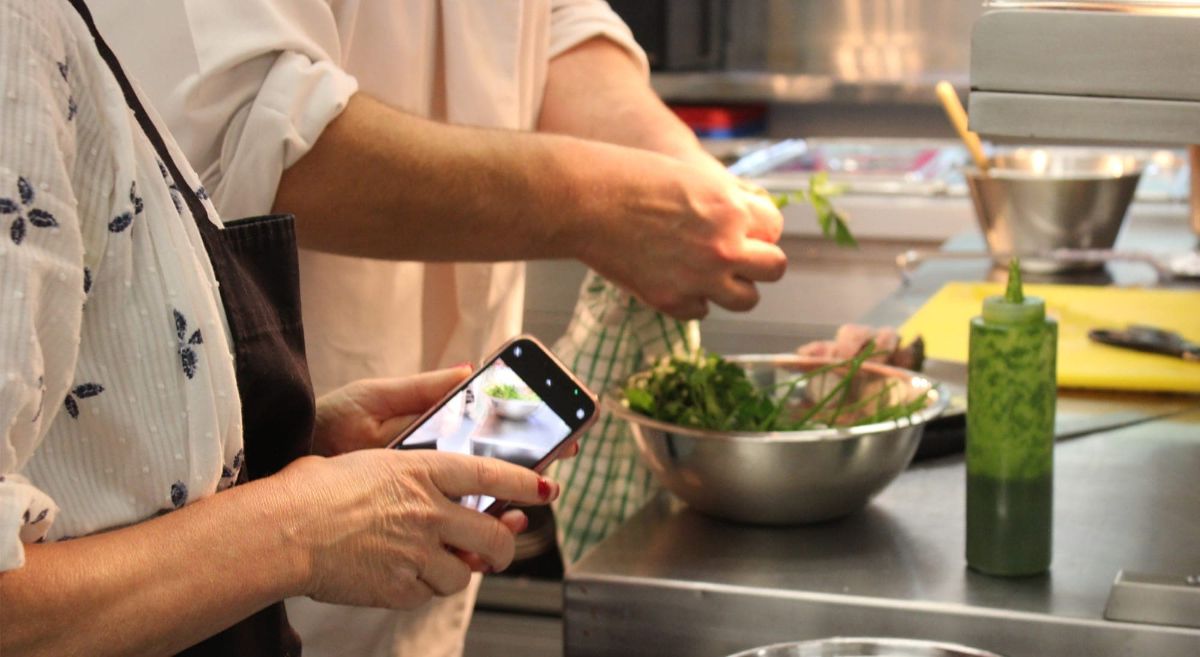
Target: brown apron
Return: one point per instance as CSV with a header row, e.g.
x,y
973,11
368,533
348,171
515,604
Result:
x,y
255,263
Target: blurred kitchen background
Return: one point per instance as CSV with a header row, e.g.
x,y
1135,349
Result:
x,y
854,80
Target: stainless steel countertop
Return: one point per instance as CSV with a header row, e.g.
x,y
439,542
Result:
x,y
1127,496
673,582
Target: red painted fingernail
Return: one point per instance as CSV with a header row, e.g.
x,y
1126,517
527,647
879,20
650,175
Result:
x,y
545,488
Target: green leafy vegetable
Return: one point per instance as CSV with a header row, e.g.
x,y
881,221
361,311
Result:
x,y
705,391
818,195
509,391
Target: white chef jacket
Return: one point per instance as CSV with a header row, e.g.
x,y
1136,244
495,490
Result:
x,y
248,85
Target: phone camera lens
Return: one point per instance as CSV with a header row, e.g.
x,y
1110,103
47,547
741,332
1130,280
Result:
x,y
549,383
579,414
517,351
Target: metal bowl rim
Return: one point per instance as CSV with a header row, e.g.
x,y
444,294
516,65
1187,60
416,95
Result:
x,y
973,174
932,410
881,642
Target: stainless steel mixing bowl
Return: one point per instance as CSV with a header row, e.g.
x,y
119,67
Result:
x,y
853,647
1036,200
787,477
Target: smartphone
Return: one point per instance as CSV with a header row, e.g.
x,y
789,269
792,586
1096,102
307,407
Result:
x,y
522,406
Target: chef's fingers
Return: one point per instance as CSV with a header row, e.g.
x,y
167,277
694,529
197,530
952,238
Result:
x,y
736,294
445,573
460,475
687,307
760,261
765,221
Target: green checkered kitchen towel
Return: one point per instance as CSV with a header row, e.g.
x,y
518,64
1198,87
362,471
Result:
x,y
610,337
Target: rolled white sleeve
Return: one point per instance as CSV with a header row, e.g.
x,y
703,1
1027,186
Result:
x,y
253,85
574,21
41,264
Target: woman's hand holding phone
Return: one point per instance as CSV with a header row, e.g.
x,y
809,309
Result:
x,y
522,406
379,528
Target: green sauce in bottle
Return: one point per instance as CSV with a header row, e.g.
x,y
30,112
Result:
x,y
1011,393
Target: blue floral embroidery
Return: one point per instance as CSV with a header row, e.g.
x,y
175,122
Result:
x,y
187,355
81,391
237,459
33,521
179,494
202,193
125,219
176,197
121,222
138,203
36,217
87,280
72,109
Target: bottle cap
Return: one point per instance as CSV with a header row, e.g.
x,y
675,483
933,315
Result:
x,y
1014,307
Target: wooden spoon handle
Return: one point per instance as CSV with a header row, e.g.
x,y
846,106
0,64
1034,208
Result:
x,y
958,118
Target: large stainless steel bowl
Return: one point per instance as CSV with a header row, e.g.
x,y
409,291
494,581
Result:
x,y
787,477
853,647
1036,200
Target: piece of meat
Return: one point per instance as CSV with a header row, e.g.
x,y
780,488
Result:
x,y
853,338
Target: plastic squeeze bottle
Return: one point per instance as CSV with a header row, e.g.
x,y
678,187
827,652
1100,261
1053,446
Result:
x,y
1011,393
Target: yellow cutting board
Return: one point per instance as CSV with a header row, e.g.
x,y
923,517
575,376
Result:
x,y
944,323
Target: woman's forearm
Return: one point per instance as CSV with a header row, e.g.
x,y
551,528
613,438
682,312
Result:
x,y
157,587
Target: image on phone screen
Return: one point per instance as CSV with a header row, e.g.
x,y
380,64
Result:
x,y
510,409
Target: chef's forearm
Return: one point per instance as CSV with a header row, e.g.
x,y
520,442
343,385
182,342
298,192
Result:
x,y
597,90
157,587
386,184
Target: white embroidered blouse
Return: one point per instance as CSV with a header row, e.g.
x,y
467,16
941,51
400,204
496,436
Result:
x,y
117,392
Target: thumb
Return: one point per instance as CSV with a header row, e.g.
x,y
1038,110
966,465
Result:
x,y
411,395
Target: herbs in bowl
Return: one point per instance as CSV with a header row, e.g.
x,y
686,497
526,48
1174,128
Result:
x,y
777,439
706,391
512,402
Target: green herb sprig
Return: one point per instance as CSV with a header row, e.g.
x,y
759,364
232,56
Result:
x,y
820,191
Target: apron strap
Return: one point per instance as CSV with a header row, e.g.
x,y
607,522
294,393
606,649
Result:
x,y
198,210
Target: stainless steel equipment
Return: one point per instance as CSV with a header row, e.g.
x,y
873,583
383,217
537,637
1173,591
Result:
x,y
856,647
1130,74
788,477
1124,72
1035,200
1160,599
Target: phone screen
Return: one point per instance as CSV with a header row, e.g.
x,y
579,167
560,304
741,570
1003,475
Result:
x,y
520,407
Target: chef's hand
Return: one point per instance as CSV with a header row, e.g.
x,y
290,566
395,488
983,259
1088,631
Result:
x,y
378,528
698,235
370,413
